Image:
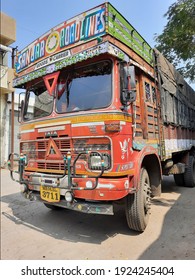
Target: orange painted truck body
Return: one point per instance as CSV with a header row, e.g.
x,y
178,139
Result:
x,y
104,117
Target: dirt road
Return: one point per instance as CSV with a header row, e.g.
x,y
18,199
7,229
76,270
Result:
x,y
31,231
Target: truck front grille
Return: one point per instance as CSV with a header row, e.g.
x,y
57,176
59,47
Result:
x,y
64,145
51,165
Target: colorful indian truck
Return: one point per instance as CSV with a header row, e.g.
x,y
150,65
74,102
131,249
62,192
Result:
x,y
104,117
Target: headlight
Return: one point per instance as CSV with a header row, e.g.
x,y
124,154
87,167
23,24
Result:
x,y
68,196
95,162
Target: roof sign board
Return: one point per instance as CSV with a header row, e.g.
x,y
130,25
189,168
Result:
x,y
59,47
64,36
102,48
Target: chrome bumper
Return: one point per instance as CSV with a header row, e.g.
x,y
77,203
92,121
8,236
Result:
x,y
81,206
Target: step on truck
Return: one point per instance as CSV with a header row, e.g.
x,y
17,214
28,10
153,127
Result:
x,y
104,116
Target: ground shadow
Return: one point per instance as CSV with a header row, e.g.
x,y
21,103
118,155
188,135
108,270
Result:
x,y
65,224
177,237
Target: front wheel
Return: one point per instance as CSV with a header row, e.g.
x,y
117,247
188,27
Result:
x,y
137,206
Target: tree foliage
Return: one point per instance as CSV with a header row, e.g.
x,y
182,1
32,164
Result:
x,y
177,41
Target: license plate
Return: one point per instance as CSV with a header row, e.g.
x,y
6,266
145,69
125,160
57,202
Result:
x,y
50,194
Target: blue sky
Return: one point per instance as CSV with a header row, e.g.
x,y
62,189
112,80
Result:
x,y
34,18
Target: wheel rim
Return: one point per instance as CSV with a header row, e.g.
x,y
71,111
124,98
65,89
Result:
x,y
146,197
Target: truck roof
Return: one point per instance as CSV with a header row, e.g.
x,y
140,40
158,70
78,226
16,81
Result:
x,y
77,39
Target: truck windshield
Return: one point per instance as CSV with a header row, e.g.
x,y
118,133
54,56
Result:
x,y
38,103
85,88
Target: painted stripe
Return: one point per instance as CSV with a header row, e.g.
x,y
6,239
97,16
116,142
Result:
x,y
92,117
106,173
27,131
52,128
173,145
50,124
140,144
87,124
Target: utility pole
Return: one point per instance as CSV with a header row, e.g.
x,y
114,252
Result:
x,y
12,113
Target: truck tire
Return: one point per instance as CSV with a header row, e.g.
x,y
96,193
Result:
x,y
189,175
137,206
179,179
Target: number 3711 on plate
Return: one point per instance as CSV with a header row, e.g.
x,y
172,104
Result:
x,y
50,194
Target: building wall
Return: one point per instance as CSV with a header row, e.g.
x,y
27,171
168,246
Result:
x,y
3,102
7,37
8,30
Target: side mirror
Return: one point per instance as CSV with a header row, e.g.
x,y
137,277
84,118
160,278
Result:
x,y
21,105
128,90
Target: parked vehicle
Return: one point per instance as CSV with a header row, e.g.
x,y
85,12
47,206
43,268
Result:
x,y
104,117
